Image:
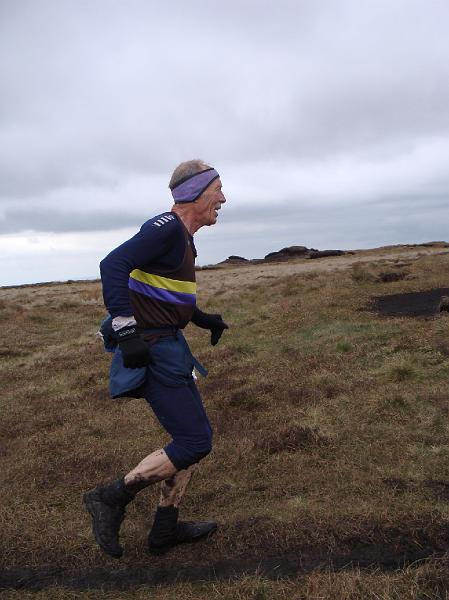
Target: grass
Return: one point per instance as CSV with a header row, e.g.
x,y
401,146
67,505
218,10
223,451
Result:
x,y
331,438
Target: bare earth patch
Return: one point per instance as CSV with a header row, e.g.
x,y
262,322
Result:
x,y
375,557
411,304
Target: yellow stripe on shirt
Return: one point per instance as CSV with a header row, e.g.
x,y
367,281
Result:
x,y
164,283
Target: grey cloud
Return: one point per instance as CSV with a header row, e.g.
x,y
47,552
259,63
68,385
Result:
x,y
278,216
253,234
301,209
143,89
54,221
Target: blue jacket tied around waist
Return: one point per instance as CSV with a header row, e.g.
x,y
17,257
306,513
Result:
x,y
172,363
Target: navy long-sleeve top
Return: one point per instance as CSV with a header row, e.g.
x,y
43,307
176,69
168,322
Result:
x,y
160,241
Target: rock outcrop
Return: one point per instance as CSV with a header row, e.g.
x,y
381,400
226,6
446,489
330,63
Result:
x,y
301,252
286,253
324,253
283,254
234,260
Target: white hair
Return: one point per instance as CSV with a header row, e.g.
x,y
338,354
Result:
x,y
187,169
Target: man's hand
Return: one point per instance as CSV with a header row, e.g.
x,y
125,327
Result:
x,y
135,350
213,322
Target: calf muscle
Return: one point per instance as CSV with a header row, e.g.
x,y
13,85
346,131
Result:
x,y
153,468
173,489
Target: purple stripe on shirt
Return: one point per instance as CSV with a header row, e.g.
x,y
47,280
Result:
x,y
160,294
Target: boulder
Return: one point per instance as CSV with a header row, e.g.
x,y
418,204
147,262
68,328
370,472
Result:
x,y
233,257
286,253
323,253
234,260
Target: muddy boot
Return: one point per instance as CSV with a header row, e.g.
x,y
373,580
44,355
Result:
x,y
107,508
168,532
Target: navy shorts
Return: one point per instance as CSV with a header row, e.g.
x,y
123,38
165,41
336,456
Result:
x,y
181,413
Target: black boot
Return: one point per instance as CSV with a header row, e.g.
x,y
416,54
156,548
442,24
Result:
x,y
107,507
167,532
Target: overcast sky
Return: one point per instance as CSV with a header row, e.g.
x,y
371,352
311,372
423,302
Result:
x,y
327,119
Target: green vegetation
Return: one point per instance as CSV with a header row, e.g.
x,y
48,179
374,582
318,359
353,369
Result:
x,y
331,439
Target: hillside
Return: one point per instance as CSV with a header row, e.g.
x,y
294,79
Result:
x,y
330,471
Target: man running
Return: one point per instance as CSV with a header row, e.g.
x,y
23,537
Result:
x,y
149,291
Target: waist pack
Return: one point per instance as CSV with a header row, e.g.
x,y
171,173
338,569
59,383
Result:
x,y
172,362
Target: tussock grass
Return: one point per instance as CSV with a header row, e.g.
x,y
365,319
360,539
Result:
x,y
331,434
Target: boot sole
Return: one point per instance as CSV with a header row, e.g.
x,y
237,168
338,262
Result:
x,y
90,505
162,550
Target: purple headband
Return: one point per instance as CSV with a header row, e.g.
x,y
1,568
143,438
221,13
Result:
x,y
188,189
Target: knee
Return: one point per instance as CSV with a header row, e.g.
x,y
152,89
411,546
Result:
x,y
191,451
204,448
198,448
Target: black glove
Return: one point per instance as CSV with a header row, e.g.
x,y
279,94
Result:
x,y
135,350
213,322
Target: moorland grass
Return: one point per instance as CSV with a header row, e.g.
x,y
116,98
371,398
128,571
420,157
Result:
x,y
331,436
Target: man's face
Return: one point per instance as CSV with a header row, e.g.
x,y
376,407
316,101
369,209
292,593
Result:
x,y
209,203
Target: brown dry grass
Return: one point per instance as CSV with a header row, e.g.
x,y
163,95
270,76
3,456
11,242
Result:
x,y
330,426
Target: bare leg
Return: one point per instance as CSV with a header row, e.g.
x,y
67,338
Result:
x,y
173,489
153,468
